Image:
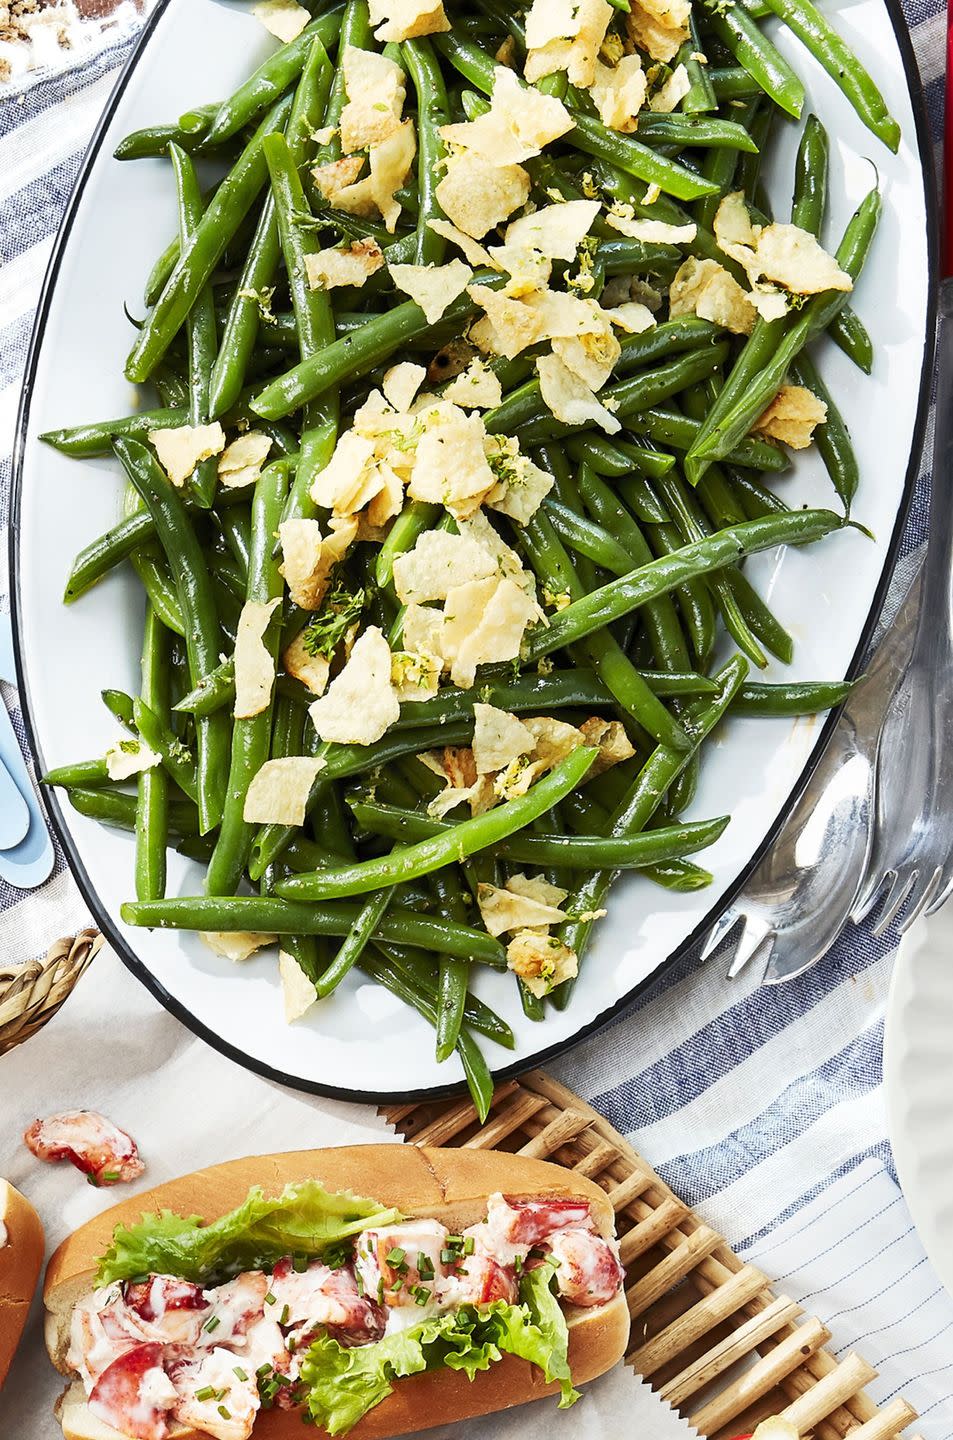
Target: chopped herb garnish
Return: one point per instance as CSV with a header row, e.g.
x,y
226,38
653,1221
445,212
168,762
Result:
x,y
225,1414
421,1295
396,1258
300,1263
425,1266
242,1375
468,1245
271,1299
342,609
207,1392
284,1316
212,1323
264,1370
109,1177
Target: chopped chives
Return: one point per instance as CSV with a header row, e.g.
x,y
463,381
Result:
x,y
396,1257
284,1316
225,1414
207,1392
271,1299
240,1373
212,1323
468,1245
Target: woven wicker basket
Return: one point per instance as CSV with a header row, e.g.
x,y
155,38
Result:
x,y
31,994
708,1332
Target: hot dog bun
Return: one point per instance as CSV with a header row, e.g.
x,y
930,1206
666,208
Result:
x,y
21,1255
447,1185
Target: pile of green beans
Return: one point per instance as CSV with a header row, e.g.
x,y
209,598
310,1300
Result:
x,y
638,551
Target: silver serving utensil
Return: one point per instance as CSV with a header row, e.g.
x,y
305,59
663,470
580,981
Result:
x,y
797,902
913,848
30,862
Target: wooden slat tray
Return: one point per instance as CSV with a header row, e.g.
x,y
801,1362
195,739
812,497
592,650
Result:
x,y
708,1332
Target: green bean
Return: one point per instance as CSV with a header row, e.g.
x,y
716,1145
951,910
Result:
x,y
155,731
251,736
432,111
269,916
196,263
96,439
832,437
589,135
189,570
468,837
589,538
152,799
113,807
160,272
153,142
271,80
840,62
692,594
153,573
733,83
849,333
700,133
419,967
791,699
680,875
618,458
610,602
453,975
574,852
202,337
701,98
212,692
813,319
754,51
755,500
759,617
355,943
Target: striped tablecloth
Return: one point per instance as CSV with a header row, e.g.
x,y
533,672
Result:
x,y
763,1108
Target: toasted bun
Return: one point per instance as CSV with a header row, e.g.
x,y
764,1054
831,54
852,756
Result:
x,y
20,1260
448,1185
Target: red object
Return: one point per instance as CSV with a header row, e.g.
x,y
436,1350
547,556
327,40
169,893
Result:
x,y
150,1299
117,1397
946,258
538,1218
97,1147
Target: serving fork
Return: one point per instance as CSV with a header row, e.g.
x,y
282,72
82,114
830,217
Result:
x,y
797,902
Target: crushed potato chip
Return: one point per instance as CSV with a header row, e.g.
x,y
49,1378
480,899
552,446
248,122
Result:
x,y
298,992
610,739
376,90
241,462
565,35
498,739
423,630
632,316
536,887
555,739
556,231
254,663
705,288
335,178
672,93
541,961
472,249
438,563
785,254
479,528
361,703
484,622
236,944
651,232
433,287
351,264
477,388
519,124
792,417
509,909
313,671
450,467
399,20
284,18
569,398
390,163
477,196
401,383
350,478
592,355
180,450
309,558
130,757
521,487
659,27
513,326
279,792
415,676
619,93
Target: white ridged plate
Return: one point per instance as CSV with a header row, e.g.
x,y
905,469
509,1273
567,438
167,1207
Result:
x,y
918,1077
360,1042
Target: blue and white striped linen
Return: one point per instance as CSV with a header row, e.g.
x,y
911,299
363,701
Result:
x,y
757,1106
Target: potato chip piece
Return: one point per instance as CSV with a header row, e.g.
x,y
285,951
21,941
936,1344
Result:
x,y
477,388
498,739
613,744
390,163
513,325
279,792
519,124
181,449
340,175
793,258
570,399
527,268
672,92
388,502
313,671
433,287
476,196
236,944
479,528
535,887
633,317
555,739
505,909
241,463
619,93
732,223
652,232
472,249
565,35
361,702
415,676
423,630
792,417
556,231
130,757
297,991
661,36
342,484
438,563
541,961
401,383
399,20
521,486
309,557
591,356
254,663
451,467
376,90
284,18
351,264
705,288
484,622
